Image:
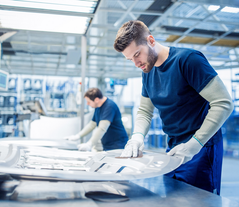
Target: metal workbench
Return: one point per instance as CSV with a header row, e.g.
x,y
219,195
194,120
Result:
x,y
27,180
159,191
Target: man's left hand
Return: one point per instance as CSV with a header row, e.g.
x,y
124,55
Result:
x,y
84,147
186,150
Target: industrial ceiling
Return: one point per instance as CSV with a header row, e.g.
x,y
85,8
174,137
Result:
x,y
211,26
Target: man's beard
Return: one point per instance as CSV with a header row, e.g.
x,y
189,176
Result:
x,y
151,60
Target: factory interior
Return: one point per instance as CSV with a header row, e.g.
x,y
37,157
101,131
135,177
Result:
x,y
53,51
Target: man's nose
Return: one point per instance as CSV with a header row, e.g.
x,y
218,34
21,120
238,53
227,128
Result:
x,y
136,62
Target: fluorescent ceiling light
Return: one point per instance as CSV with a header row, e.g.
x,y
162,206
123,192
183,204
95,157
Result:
x,y
225,9
43,22
70,66
230,9
213,7
59,5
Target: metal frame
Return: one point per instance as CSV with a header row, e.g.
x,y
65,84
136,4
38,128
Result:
x,y
42,53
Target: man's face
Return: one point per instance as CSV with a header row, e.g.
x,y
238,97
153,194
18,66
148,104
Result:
x,y
143,56
91,103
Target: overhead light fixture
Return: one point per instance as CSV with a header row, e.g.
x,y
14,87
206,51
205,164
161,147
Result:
x,y
59,5
43,22
225,9
33,17
70,66
230,9
213,7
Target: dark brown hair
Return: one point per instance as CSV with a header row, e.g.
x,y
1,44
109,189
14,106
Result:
x,y
130,31
93,93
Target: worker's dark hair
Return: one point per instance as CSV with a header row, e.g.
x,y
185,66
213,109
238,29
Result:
x,y
93,93
130,31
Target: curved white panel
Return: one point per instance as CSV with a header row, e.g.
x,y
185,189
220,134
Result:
x,y
55,164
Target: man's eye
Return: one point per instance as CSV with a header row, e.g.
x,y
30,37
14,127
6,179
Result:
x,y
137,54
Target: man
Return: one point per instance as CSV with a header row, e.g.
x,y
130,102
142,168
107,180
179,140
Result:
x,y
107,118
192,101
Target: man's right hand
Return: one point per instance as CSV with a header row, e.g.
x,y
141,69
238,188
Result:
x,y
134,146
72,137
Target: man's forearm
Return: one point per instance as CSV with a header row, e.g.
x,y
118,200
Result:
x,y
221,107
144,116
87,129
99,132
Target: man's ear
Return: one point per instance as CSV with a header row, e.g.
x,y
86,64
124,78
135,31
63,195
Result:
x,y
151,40
96,100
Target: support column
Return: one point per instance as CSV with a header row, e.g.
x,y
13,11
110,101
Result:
x,y
83,68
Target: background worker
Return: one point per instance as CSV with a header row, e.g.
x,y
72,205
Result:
x,y
107,119
192,101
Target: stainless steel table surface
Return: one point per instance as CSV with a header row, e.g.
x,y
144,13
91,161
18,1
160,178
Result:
x,y
158,191
174,193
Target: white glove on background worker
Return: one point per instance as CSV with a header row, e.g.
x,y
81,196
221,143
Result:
x,y
141,128
73,137
221,107
86,130
96,136
85,146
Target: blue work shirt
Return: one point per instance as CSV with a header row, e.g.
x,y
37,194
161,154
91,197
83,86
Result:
x,y
174,89
115,137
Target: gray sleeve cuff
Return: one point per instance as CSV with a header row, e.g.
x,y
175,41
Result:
x,y
221,107
144,116
99,132
87,129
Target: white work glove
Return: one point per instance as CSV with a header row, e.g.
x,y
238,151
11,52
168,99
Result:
x,y
186,150
85,146
134,146
72,137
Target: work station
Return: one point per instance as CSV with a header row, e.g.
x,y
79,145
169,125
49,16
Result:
x,y
119,103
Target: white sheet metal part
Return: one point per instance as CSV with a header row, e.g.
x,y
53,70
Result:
x,y
57,164
62,144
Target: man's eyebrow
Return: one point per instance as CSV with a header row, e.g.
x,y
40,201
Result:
x,y
133,56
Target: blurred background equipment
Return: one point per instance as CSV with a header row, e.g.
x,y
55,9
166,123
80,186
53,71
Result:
x,y
4,76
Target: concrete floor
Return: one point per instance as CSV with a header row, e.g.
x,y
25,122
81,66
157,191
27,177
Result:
x,y
230,179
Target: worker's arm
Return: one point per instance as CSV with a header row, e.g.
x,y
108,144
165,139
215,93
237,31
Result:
x,y
221,107
141,128
96,136
86,130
